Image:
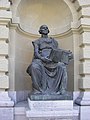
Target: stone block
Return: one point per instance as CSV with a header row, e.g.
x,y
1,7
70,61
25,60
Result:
x,y
84,68
3,48
86,11
83,100
6,114
4,81
3,65
20,110
84,38
85,113
56,110
85,21
20,117
51,105
5,14
4,32
84,83
85,52
4,4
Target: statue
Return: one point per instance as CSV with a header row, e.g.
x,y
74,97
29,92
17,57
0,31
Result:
x,y
48,68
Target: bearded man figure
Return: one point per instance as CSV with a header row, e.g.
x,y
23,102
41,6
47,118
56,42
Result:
x,y
48,74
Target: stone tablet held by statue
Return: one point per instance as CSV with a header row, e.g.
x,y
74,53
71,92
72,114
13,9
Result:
x,y
48,68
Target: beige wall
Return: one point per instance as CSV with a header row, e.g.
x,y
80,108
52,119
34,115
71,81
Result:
x,y
20,56
23,57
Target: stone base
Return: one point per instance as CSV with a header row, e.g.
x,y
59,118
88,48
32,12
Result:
x,y
21,108
6,107
20,111
5,100
84,102
48,110
6,113
38,97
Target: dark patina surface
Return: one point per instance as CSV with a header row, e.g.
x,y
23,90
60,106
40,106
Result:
x,y
48,68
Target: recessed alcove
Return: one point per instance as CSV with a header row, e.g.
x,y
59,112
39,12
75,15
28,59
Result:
x,y
57,15
54,13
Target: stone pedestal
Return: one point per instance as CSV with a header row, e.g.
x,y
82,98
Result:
x,y
50,110
40,97
6,107
84,102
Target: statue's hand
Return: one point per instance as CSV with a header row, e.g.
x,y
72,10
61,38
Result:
x,y
45,59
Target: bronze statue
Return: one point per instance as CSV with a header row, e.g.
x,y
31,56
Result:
x,y
48,68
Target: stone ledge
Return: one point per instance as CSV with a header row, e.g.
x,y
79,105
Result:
x,y
5,14
41,97
4,4
6,103
52,114
50,105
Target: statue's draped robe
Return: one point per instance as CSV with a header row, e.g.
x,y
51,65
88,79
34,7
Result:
x,y
48,78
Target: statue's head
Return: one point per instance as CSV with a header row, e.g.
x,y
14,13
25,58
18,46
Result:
x,y
44,30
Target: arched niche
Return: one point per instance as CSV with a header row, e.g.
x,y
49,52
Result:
x,y
55,13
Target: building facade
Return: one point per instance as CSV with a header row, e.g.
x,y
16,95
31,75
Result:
x,y
69,24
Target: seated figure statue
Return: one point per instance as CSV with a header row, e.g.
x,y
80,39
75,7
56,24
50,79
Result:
x,y
48,68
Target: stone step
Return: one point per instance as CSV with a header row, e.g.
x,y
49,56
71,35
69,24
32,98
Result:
x,y
22,107
20,110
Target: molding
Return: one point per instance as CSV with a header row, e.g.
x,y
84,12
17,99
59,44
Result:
x,y
4,5
71,30
65,33
4,21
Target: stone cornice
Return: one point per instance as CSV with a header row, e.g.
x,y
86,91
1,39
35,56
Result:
x,y
71,30
4,21
18,28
